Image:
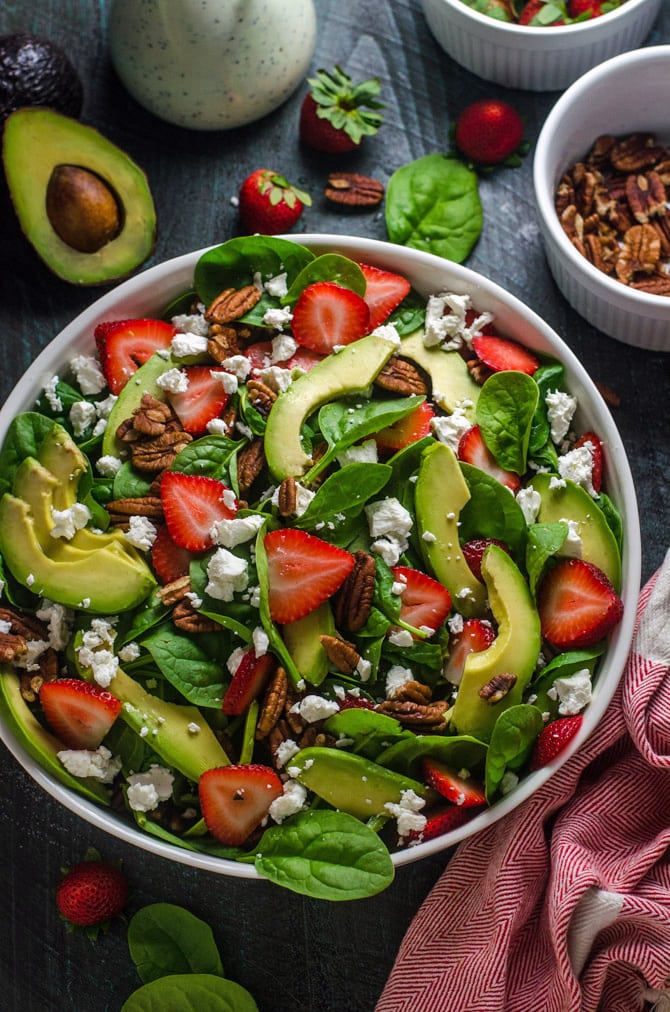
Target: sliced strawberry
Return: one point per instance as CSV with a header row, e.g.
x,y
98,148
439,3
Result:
x,y
500,354
236,799
424,601
476,635
552,739
473,450
303,572
595,444
440,821
408,430
79,713
170,560
473,552
351,702
192,504
260,356
466,793
124,345
327,316
251,676
577,604
203,399
383,293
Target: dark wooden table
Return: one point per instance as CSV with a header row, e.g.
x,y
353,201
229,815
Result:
x,y
294,954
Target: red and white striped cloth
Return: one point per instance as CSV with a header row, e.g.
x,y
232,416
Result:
x,y
564,906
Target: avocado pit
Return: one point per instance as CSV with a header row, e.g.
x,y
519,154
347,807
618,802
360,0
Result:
x,y
82,209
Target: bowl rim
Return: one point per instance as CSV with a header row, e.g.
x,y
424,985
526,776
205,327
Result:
x,y
524,32
627,298
176,274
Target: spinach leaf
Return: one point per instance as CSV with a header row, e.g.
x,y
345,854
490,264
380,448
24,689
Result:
x,y
410,314
344,494
548,377
544,540
433,204
210,455
370,731
25,435
325,854
458,752
505,411
186,666
190,992
128,484
491,512
206,845
613,518
234,263
512,738
165,939
331,267
562,666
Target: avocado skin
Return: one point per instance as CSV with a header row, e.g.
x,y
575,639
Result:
x,y
35,71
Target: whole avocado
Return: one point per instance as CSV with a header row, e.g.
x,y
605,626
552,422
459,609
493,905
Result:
x,y
35,71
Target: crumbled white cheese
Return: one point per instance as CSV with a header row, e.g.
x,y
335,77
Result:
x,y
285,752
186,345
283,347
389,523
560,410
67,522
260,640
191,323
54,401
408,813
278,318
59,619
293,799
573,692
572,546
455,623
529,501
228,380
217,427
227,573
312,708
88,374
237,530
238,364
99,764
141,533
363,669
361,453
396,677
449,428
401,638
109,465
388,332
82,416
277,286
103,408
130,652
95,652
173,381
147,790
556,483
303,497
577,466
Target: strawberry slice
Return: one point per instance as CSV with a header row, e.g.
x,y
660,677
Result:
x,y
407,430
595,444
303,572
351,702
500,354
79,713
124,345
170,560
383,293
236,799
552,739
476,635
203,399
473,552
465,793
250,679
260,356
577,605
192,504
327,316
440,821
424,601
473,450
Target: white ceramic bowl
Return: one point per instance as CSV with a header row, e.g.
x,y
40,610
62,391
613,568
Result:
x,y
538,59
627,94
148,293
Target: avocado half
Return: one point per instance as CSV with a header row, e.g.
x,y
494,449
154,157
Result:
x,y
44,152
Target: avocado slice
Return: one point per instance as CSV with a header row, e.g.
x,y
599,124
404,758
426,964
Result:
x,y
440,494
67,182
572,502
40,743
59,454
451,382
514,651
350,782
350,371
302,639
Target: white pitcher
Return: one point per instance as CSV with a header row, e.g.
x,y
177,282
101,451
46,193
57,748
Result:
x,y
211,64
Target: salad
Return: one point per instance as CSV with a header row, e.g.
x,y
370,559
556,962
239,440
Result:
x,y
306,570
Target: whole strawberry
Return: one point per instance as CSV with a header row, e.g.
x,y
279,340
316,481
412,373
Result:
x,y
488,131
336,113
91,893
269,204
552,739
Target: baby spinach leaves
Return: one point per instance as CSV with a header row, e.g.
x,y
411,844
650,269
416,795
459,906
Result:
x,y
433,204
512,739
491,512
236,262
164,938
186,666
331,267
505,412
191,991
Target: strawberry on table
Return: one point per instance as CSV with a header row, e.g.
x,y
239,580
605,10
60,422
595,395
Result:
x,y
78,713
327,316
124,345
192,504
303,572
236,799
269,204
461,791
250,678
91,893
336,114
489,131
170,560
383,293
552,739
473,450
203,400
501,354
407,430
425,602
476,635
577,604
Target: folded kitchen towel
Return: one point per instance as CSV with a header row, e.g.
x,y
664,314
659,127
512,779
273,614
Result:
x,y
564,905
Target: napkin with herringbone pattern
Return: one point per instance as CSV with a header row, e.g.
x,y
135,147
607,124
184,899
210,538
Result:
x,y
564,906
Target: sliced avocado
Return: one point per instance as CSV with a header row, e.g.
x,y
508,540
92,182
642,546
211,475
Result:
x,y
143,381
451,382
40,743
350,371
514,651
440,494
103,581
572,502
169,728
82,203
302,639
350,782
60,454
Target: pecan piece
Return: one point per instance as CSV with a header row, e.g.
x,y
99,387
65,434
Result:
x,y
232,303
635,152
413,692
353,601
640,254
341,653
352,190
121,510
261,396
402,377
250,463
656,285
222,342
497,688
420,715
186,617
174,591
157,454
287,497
273,702
646,196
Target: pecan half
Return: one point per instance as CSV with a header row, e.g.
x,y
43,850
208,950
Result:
x,y
353,601
646,196
157,454
186,617
232,303
635,152
174,591
352,190
497,688
421,715
261,396
656,285
640,254
287,497
121,510
272,705
250,463
223,342
341,653
413,692
402,377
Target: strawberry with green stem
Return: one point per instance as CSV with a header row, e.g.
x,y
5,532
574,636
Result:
x,y
91,893
337,114
269,204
